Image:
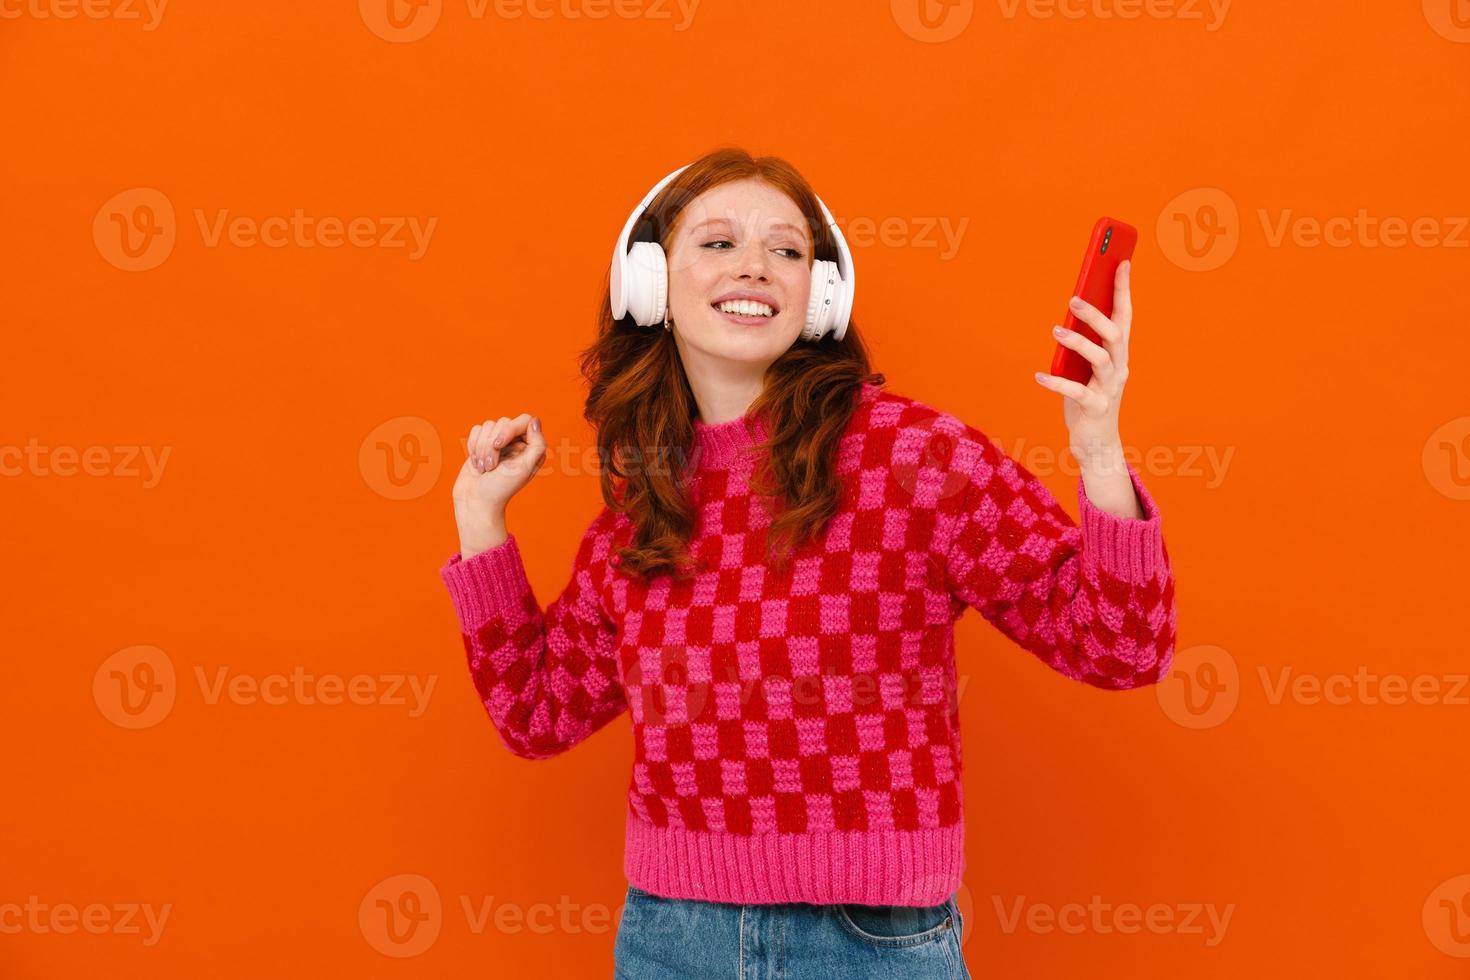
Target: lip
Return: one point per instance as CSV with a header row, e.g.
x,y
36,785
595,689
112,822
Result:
x,y
745,321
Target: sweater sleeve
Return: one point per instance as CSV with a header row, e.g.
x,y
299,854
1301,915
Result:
x,y
548,679
1094,601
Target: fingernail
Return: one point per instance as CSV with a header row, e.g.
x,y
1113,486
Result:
x,y
1040,377
1058,331
535,425
1076,303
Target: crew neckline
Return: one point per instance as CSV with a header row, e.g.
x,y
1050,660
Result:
x,y
718,444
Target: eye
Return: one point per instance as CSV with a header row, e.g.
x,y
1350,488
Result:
x,y
790,253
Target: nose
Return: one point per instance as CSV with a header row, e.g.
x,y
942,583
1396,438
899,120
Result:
x,y
753,262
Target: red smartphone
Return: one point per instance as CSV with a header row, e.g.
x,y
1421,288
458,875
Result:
x,y
1111,244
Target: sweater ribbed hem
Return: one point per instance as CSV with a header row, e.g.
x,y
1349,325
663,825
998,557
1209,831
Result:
x,y
873,867
1129,548
493,580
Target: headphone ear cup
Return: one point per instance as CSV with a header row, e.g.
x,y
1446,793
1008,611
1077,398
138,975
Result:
x,y
819,307
647,283
841,308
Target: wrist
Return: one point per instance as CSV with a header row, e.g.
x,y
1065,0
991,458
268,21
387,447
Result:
x,y
482,536
1101,459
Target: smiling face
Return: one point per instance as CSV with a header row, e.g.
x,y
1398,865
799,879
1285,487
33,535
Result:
x,y
739,277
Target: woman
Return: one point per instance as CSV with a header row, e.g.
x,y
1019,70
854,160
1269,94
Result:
x,y
771,587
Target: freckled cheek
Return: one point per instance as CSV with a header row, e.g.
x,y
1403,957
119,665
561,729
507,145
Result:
x,y
796,288
693,279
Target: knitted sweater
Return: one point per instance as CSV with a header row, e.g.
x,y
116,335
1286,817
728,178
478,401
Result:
x,y
796,735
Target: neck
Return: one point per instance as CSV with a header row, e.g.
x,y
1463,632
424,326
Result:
x,y
722,391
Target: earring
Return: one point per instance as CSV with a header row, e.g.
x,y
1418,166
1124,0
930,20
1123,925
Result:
x,y
666,319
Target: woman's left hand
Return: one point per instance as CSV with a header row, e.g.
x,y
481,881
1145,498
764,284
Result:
x,y
1091,410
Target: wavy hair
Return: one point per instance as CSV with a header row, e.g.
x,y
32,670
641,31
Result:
x,y
639,396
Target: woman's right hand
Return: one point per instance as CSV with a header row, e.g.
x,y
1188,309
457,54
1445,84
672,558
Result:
x,y
503,455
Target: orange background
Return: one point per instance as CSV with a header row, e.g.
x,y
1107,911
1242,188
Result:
x,y
1333,543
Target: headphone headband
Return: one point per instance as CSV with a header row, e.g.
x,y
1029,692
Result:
x,y
638,211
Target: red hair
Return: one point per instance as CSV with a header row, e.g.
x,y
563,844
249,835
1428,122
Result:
x,y
639,397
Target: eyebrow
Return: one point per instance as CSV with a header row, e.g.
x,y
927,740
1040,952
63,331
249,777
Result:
x,y
775,226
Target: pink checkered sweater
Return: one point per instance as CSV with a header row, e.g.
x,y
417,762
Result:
x,y
796,735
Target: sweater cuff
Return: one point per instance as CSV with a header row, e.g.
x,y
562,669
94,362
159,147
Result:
x,y
494,581
1129,548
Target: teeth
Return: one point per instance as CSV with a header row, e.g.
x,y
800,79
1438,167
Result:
x,y
746,307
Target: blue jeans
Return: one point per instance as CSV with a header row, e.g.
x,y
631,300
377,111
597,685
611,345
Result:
x,y
684,939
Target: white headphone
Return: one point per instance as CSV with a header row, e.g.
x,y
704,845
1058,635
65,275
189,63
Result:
x,y
640,278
